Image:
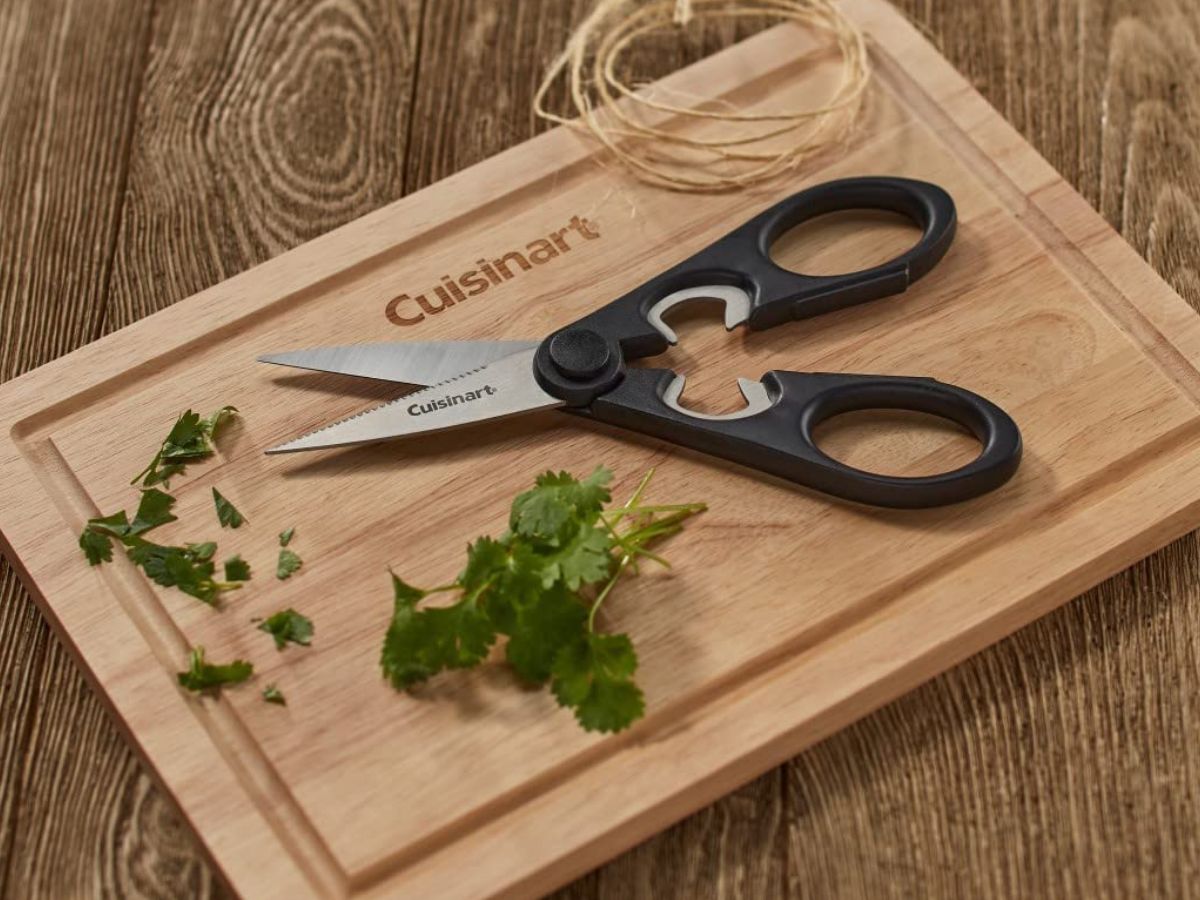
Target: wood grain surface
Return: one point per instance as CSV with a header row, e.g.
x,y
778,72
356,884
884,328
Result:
x,y
149,152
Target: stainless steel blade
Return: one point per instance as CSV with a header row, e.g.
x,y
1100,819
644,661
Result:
x,y
504,388
408,362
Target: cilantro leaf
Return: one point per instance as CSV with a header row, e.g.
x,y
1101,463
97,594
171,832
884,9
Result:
x,y
181,567
189,439
421,643
554,619
227,513
97,547
585,559
288,625
557,500
237,569
594,677
153,510
215,422
288,563
285,536
117,525
486,560
202,552
272,694
205,676
160,474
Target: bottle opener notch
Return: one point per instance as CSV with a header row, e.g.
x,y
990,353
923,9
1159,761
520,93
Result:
x,y
736,300
755,392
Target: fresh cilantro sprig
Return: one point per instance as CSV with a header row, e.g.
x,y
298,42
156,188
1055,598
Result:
x,y
190,438
541,585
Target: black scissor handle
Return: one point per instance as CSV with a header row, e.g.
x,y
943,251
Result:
x,y
780,295
580,369
780,439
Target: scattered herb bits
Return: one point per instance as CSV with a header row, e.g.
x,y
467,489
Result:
x,y
206,676
272,694
190,438
541,584
288,561
227,513
288,626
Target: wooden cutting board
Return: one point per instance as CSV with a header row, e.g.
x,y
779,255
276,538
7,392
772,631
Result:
x,y
786,615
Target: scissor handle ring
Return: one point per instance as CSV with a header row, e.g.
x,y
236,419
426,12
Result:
x,y
780,295
997,433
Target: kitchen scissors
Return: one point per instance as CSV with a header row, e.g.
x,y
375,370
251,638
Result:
x,y
582,368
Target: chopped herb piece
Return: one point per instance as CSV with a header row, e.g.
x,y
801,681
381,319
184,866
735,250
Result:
x,y
180,567
288,625
237,569
153,510
189,439
117,525
541,584
285,537
227,513
272,694
205,676
97,547
202,552
288,563
216,421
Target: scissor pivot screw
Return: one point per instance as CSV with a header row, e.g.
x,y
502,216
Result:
x,y
580,353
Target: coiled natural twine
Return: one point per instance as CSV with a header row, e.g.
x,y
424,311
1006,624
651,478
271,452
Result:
x,y
748,147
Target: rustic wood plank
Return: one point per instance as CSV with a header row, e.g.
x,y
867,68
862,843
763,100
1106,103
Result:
x,y
969,740
257,129
262,126
69,80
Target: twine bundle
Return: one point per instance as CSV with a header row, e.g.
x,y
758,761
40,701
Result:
x,y
734,148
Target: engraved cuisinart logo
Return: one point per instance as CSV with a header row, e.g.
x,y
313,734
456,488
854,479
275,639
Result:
x,y
408,309
420,409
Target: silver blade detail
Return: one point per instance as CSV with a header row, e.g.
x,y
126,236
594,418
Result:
x,y
408,362
504,388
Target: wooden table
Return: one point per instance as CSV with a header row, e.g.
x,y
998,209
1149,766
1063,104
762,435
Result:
x,y
150,148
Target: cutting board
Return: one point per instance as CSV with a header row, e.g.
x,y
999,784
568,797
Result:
x,y
785,616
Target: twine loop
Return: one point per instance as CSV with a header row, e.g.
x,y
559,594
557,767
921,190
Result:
x,y
734,148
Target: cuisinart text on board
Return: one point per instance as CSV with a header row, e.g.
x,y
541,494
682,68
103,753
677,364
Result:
x,y
412,310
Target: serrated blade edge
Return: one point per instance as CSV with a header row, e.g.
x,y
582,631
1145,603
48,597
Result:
x,y
501,389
